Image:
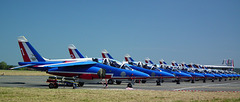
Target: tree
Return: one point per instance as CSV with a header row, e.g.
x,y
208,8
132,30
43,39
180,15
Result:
x,y
3,65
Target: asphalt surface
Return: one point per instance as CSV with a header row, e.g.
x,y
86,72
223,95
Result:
x,y
40,82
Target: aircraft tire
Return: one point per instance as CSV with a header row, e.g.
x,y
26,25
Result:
x,y
212,80
162,81
118,82
144,81
177,81
80,84
129,85
51,86
110,81
158,82
204,80
192,81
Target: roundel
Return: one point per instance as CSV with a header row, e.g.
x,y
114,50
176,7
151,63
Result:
x,y
101,73
123,74
153,74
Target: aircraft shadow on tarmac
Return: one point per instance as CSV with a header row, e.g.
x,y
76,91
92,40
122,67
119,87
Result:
x,y
13,83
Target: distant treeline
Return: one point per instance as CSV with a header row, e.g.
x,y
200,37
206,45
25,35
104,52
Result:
x,y
236,70
5,66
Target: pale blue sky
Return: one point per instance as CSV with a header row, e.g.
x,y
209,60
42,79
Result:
x,y
198,31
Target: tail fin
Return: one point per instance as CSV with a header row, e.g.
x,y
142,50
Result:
x,y
74,53
185,65
228,62
148,60
162,62
174,63
29,54
105,54
128,58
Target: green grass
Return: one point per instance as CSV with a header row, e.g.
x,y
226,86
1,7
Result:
x,y
104,95
23,72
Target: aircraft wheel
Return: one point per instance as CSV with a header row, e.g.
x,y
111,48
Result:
x,y
129,85
137,81
192,81
110,81
177,81
225,79
51,85
118,82
212,80
220,79
158,82
80,84
144,81
204,80
162,81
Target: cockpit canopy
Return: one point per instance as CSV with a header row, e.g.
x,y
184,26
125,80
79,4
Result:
x,y
115,63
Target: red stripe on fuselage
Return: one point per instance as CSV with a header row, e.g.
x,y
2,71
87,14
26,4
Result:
x,y
24,52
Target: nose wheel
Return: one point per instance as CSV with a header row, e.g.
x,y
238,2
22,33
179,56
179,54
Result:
x,y
204,80
192,80
158,82
177,81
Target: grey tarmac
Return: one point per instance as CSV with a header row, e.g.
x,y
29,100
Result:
x,y
40,82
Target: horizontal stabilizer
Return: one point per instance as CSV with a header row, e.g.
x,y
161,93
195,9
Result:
x,y
28,65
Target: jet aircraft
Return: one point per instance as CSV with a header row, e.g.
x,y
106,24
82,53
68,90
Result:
x,y
179,75
80,69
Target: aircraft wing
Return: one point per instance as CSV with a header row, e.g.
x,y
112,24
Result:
x,y
23,66
68,64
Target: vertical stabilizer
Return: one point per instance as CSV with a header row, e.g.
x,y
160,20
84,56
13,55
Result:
x,y
148,60
128,58
74,53
105,54
29,54
173,63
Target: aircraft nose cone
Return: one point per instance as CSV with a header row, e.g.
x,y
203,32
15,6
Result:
x,y
229,75
217,75
138,74
209,75
166,74
199,75
185,75
223,75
